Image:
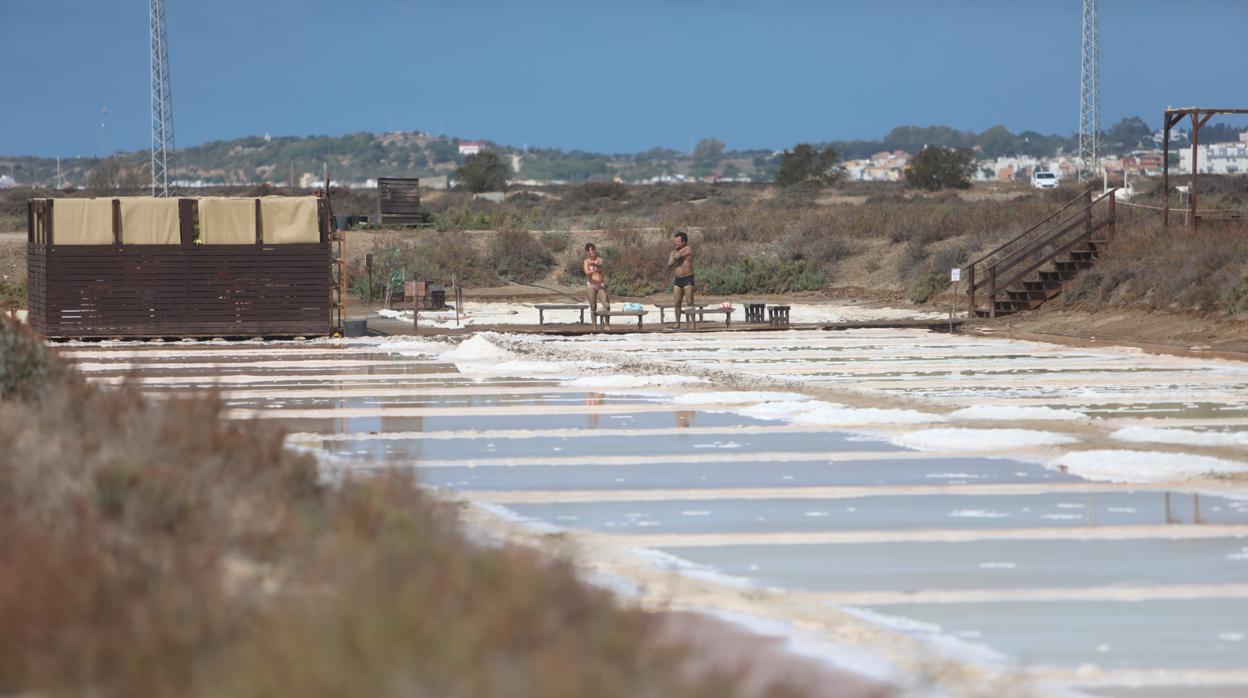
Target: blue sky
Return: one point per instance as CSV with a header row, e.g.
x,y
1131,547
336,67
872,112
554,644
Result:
x,y
603,75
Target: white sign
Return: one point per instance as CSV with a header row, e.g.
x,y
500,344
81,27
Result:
x,y
955,274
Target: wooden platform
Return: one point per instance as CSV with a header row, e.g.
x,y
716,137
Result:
x,y
386,327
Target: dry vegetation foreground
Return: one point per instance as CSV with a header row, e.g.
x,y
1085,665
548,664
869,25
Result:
x,y
156,549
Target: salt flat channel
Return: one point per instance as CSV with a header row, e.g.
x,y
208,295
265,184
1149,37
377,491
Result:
x,y
1015,509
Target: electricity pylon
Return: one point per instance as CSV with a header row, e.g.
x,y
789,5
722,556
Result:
x,y
1090,92
162,101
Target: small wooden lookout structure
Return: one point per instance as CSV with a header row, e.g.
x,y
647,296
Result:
x,y
398,200
190,267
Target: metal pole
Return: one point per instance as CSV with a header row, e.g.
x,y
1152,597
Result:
x,y
455,296
952,301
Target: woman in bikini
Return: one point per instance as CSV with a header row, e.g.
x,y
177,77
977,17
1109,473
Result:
x,y
596,284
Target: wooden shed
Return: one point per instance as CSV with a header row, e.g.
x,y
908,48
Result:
x,y
192,267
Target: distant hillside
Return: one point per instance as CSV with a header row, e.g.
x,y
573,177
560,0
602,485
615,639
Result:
x,y
358,157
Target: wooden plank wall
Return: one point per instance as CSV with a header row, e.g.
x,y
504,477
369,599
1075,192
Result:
x,y
186,290
399,199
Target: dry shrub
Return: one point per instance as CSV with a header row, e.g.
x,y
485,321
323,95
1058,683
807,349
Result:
x,y
153,548
518,255
556,242
594,191
636,264
25,365
1148,267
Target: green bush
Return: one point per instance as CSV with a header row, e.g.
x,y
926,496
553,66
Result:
x,y
755,276
25,364
936,277
1236,299
13,295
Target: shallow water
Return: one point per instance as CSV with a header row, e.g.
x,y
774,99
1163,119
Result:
x,y
983,564
884,513
510,429
660,476
1180,634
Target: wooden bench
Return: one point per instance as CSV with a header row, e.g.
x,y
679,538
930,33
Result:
x,y
664,307
602,315
543,307
778,315
754,311
695,315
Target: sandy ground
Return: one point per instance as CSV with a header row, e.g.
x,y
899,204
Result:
x,y
1181,333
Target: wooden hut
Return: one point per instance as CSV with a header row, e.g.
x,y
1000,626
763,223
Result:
x,y
203,267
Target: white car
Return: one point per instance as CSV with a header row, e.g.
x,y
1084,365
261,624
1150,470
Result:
x,y
1043,179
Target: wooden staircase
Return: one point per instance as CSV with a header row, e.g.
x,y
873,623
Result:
x,y
1033,268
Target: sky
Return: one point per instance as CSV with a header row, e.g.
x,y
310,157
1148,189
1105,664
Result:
x,y
602,75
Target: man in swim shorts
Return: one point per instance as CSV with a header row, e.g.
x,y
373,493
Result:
x,y
596,284
680,261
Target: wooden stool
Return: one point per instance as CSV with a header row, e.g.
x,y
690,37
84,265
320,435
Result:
x,y
754,311
778,315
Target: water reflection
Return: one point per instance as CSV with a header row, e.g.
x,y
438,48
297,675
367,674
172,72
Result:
x,y
594,400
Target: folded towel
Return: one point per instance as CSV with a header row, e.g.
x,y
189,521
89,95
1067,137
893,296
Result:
x,y
632,307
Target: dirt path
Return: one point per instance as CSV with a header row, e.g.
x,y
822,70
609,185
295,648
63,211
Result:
x,y
1183,334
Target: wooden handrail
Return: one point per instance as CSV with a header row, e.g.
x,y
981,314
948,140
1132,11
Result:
x,y
1013,258
1049,257
1020,236
997,269
1007,262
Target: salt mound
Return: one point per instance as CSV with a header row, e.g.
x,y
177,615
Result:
x,y
980,439
476,349
837,415
1016,413
1187,437
1144,466
818,412
786,409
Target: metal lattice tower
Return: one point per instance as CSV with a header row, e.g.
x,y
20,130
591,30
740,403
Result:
x,y
1090,92
162,101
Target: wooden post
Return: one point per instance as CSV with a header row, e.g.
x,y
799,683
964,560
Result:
x,y
970,291
1191,195
259,225
116,222
186,222
1087,212
1113,212
992,291
1165,174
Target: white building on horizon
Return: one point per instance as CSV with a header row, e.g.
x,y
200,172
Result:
x,y
1217,158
